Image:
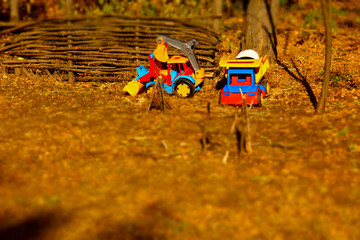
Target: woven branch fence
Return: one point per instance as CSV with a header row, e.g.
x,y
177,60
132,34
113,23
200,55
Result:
x,y
107,48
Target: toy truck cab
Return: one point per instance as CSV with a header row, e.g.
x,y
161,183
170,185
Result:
x,y
244,78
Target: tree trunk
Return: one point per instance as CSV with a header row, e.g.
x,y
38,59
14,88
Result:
x,y
218,13
68,8
14,11
326,9
139,7
260,26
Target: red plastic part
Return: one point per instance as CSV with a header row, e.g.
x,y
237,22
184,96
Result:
x,y
235,81
236,98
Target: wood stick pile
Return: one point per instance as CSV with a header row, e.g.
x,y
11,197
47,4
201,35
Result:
x,y
106,48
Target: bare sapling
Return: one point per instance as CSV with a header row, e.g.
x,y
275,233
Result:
x,y
326,10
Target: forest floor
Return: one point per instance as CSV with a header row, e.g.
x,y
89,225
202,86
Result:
x,y
86,161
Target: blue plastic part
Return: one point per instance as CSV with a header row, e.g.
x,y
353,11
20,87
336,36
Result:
x,y
173,74
151,55
251,89
168,89
262,88
141,71
149,83
197,88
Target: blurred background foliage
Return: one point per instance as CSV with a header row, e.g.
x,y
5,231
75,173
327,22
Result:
x,y
39,9
307,14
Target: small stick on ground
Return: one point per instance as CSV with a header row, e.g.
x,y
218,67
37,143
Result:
x,y
237,128
247,140
158,101
161,93
241,127
226,156
208,109
205,140
240,140
28,74
152,97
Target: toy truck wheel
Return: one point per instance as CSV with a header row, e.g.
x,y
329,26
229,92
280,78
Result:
x,y
184,88
260,98
266,85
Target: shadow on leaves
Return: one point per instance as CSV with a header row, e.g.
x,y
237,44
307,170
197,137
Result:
x,y
157,221
33,227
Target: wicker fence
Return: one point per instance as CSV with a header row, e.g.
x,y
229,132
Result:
x,y
107,48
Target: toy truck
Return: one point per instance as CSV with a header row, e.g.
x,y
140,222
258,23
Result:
x,y
244,77
181,74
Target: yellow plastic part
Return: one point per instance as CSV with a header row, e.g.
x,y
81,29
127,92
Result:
x,y
183,90
133,88
199,76
164,72
160,52
178,59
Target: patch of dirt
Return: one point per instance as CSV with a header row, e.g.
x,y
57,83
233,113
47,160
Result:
x,y
92,153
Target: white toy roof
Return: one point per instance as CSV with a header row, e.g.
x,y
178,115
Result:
x,y
249,53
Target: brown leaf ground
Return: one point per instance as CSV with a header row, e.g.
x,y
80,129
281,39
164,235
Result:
x,y
84,161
